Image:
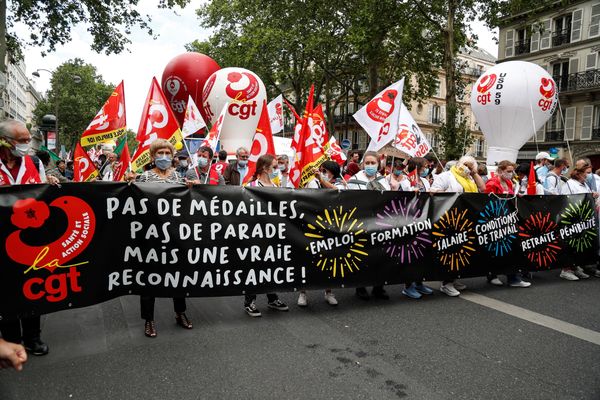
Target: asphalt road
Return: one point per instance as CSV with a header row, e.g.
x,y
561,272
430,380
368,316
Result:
x,y
434,348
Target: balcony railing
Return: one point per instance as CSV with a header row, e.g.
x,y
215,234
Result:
x,y
596,133
557,135
473,71
561,37
579,81
522,46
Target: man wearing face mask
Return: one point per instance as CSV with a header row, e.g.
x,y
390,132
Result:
x,y
18,168
236,170
205,154
183,164
554,180
283,164
543,165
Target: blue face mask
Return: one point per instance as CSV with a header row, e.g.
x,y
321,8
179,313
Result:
x,y
163,163
371,170
274,174
397,172
202,162
564,171
425,172
242,163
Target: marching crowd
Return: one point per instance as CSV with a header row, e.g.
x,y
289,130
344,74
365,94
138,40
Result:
x,y
368,171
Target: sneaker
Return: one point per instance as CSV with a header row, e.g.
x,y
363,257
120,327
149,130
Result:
x,y
496,281
278,305
36,347
302,301
597,273
330,299
423,289
362,293
380,293
519,283
459,285
411,291
568,275
449,289
580,273
251,310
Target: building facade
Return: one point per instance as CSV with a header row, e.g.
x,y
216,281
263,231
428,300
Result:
x,y
564,40
18,97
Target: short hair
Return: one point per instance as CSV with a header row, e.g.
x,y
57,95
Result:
x,y
416,163
240,149
222,155
482,169
61,162
505,164
283,157
7,127
208,149
161,144
370,154
352,153
332,167
560,162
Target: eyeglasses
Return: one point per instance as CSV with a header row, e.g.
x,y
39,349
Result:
x,y
20,141
243,157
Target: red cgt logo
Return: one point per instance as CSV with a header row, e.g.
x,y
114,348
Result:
x,y
243,86
486,83
381,107
547,88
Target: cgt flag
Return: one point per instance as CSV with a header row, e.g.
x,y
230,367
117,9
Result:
x,y
379,117
313,153
110,122
409,139
192,120
84,170
158,122
275,108
262,143
334,152
302,132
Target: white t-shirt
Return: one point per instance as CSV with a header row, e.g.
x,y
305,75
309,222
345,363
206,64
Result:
x,y
575,187
360,181
446,182
313,184
405,185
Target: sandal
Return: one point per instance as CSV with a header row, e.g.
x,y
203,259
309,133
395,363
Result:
x,y
150,329
183,321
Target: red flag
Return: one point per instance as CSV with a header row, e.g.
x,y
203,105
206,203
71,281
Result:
x,y
84,169
413,177
262,143
158,122
531,181
334,152
110,122
214,134
320,126
124,163
313,154
302,133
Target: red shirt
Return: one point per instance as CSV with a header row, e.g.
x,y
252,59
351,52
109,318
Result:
x,y
494,185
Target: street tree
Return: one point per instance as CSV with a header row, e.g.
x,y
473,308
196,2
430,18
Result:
x,y
76,94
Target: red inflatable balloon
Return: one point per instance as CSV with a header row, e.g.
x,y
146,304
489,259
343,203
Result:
x,y
185,76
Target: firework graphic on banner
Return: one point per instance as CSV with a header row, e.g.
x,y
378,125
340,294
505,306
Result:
x,y
577,213
400,212
495,209
453,223
540,224
349,253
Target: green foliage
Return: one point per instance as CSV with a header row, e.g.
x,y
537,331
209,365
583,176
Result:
x,y
77,103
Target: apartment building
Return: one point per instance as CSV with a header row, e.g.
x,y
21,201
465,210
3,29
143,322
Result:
x,y
564,40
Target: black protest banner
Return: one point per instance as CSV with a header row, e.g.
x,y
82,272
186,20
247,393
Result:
x,y
81,244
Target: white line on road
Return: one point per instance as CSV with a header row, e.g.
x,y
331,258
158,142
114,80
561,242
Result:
x,y
531,316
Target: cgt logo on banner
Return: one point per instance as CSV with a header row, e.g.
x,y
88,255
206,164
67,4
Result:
x,y
483,87
242,88
382,106
53,279
548,92
173,85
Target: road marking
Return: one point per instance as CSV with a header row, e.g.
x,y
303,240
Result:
x,y
540,319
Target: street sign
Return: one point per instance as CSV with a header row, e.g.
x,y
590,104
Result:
x,y
346,143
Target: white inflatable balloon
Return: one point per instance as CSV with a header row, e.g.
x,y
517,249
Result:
x,y
511,101
245,93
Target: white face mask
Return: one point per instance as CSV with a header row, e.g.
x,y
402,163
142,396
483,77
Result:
x,y
183,163
20,150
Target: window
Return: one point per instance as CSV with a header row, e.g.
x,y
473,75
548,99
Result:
x,y
438,90
560,74
363,140
435,114
562,30
594,29
523,41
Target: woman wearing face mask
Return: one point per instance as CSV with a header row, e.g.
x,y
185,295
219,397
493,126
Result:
x,y
503,183
369,179
266,171
417,170
461,177
328,176
396,176
161,153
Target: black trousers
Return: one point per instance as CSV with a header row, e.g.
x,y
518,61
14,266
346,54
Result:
x,y
249,298
147,306
24,329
